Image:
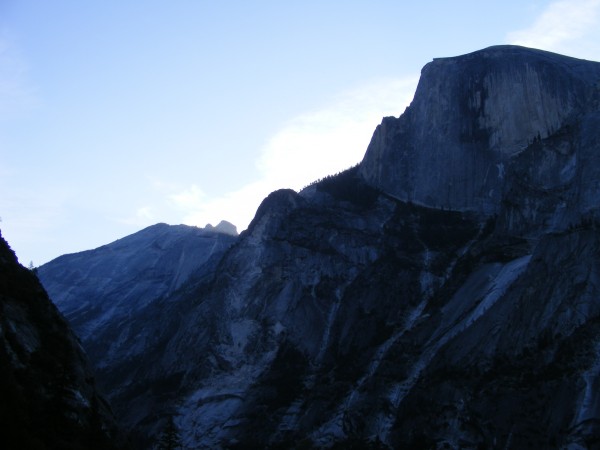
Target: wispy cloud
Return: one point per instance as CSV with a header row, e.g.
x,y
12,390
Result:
x,y
333,138
190,198
565,26
315,144
142,216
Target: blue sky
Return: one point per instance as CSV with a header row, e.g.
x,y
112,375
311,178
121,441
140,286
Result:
x,y
118,115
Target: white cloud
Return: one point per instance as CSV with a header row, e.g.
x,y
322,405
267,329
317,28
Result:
x,y
189,198
237,207
333,138
312,145
567,26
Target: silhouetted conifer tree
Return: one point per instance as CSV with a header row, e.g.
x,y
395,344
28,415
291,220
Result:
x,y
170,439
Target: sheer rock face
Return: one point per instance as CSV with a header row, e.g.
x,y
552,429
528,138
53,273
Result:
x,y
472,116
347,316
49,397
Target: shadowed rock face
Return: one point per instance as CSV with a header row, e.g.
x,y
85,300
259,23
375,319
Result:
x,y
49,398
470,116
99,290
116,298
350,315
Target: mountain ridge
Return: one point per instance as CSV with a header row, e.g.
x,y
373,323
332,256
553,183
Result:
x,y
386,308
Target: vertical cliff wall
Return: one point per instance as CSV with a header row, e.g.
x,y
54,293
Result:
x,y
470,117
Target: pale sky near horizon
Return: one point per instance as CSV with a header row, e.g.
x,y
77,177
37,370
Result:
x,y
115,115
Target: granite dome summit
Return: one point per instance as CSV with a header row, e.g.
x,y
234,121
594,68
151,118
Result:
x,y
470,117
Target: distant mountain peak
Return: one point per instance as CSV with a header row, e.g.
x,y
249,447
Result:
x,y
223,227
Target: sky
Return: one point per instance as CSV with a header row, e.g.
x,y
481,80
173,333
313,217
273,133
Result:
x,y
118,115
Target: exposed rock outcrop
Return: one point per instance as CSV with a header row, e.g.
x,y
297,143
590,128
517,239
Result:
x,y
223,227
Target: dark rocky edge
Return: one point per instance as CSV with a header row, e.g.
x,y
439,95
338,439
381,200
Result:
x,y
49,398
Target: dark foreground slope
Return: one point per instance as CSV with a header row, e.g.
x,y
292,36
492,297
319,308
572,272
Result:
x,y
47,391
442,294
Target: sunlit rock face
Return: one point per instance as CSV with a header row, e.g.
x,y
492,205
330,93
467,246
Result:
x,y
49,397
470,117
442,294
